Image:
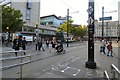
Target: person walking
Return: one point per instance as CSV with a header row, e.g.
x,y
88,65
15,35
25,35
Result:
x,y
24,42
40,44
36,43
16,44
53,42
102,47
47,43
109,47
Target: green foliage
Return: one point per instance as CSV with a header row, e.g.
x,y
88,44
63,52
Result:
x,y
64,26
78,31
11,18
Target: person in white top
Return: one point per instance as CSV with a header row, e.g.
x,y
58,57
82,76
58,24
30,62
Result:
x,y
102,47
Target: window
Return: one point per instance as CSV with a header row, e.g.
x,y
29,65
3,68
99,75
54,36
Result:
x,y
61,23
28,14
29,4
42,31
106,23
42,23
50,23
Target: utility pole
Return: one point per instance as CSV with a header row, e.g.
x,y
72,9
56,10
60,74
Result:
x,y
67,26
102,23
90,63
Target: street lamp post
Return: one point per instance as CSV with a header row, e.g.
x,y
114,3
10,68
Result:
x,y
37,35
102,23
8,34
67,26
90,63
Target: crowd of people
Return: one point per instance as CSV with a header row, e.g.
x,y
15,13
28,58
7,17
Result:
x,y
41,41
20,43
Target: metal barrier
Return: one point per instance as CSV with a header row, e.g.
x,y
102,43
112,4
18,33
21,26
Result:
x,y
115,70
106,75
19,57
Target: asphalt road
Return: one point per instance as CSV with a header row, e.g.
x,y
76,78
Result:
x,y
43,62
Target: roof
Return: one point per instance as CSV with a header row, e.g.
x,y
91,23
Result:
x,y
53,16
41,26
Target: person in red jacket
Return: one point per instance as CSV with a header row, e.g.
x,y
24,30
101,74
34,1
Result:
x,y
109,47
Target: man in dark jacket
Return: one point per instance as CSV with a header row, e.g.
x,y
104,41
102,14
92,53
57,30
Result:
x,y
16,44
40,44
24,44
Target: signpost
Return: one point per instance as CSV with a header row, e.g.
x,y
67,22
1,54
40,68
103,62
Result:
x,y
90,62
105,18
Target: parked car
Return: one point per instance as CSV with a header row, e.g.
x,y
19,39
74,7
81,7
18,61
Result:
x,y
69,40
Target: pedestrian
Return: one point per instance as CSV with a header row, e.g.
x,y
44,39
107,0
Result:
x,y
36,43
3,39
102,47
47,43
43,42
109,47
53,42
40,44
21,42
16,44
24,42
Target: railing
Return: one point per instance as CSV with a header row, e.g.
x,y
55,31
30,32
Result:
x,y
115,70
106,75
18,57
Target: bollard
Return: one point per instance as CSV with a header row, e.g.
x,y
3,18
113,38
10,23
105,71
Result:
x,y
113,74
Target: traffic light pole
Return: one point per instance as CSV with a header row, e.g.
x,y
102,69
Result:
x,y
90,63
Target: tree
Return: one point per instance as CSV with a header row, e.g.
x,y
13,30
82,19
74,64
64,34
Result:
x,y
64,26
11,18
78,31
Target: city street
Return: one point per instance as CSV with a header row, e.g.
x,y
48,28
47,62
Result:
x,y
69,65
90,35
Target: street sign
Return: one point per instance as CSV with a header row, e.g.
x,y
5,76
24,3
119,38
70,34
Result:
x,y
105,18
90,21
90,10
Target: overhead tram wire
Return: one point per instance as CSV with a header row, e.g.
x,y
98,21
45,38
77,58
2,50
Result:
x,y
71,8
2,1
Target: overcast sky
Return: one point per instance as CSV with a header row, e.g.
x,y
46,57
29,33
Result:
x,y
59,8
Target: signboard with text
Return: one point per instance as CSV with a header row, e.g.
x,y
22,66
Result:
x,y
105,18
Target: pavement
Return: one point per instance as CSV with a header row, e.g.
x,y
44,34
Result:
x,y
69,65
74,66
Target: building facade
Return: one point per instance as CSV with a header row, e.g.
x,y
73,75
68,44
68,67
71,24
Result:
x,y
110,29
52,20
29,9
119,19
